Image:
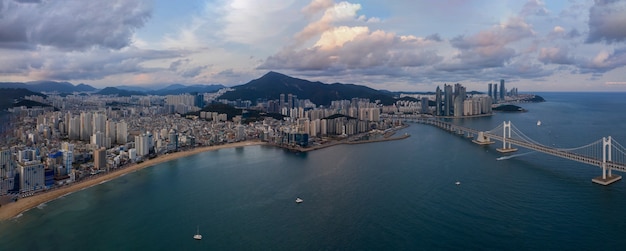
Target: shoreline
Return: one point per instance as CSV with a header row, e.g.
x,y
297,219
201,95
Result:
x,y
11,210
344,141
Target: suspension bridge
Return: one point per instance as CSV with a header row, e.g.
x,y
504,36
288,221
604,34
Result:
x,y
605,153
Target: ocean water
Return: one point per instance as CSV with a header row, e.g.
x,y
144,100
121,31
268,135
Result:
x,y
388,195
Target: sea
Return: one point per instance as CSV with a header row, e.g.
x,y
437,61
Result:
x,y
394,195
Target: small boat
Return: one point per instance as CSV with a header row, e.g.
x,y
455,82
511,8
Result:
x,y
457,183
198,236
538,122
298,200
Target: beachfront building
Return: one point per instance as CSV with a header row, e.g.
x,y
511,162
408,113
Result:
x,y
32,176
100,159
7,171
68,156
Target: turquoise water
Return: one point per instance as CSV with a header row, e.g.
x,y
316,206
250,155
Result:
x,y
389,195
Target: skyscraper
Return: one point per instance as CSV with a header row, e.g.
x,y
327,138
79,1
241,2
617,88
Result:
x,y
438,101
7,171
495,93
448,99
68,156
502,89
86,128
121,132
490,90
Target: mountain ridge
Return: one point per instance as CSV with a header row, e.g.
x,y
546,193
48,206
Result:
x,y
272,84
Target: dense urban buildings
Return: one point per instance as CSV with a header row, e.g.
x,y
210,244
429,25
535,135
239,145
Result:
x,y
90,134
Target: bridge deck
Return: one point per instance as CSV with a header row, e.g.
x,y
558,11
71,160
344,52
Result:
x,y
540,148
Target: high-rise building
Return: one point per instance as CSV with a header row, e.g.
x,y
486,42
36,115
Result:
x,y
97,139
7,171
424,103
121,132
99,123
68,156
448,99
74,128
142,145
32,176
490,90
289,101
438,102
495,93
502,89
100,159
111,131
86,125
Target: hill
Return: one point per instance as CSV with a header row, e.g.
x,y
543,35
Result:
x,y
176,89
272,84
49,86
118,92
230,111
10,96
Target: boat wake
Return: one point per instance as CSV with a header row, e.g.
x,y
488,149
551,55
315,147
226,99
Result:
x,y
513,156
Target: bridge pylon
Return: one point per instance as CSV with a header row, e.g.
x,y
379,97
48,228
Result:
x,y
506,133
606,156
481,139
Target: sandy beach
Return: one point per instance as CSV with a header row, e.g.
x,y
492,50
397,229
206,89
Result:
x,y
11,210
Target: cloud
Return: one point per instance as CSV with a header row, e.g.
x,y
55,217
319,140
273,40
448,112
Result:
x,y
71,24
534,7
346,48
607,21
343,11
555,55
488,48
604,61
185,69
96,63
316,6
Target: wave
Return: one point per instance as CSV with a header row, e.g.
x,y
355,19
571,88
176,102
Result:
x,y
42,205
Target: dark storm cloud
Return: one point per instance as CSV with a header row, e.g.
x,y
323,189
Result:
x,y
96,64
71,24
607,21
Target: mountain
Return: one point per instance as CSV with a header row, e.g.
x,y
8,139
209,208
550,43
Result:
x,y
85,88
176,89
133,88
119,92
272,84
173,89
11,96
49,86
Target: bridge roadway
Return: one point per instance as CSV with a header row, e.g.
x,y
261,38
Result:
x,y
540,148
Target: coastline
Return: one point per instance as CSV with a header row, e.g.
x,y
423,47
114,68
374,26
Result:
x,y
11,210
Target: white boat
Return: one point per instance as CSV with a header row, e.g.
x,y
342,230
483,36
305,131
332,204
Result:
x,y
198,236
457,183
538,122
298,200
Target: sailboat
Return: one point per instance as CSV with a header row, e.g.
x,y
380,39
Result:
x,y
538,122
198,236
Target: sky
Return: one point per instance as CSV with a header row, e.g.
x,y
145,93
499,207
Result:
x,y
397,45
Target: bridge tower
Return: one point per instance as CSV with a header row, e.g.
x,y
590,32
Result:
x,y
606,156
506,133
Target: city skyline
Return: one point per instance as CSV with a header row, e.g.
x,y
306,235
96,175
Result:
x,y
398,45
